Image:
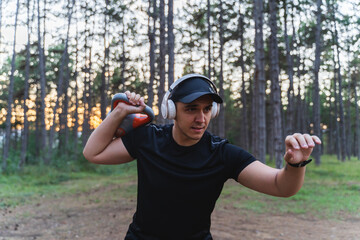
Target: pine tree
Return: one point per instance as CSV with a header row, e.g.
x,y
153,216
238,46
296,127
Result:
x,y
357,117
259,90
316,98
245,124
152,56
105,67
25,131
275,87
162,56
171,42
60,87
10,97
290,73
221,117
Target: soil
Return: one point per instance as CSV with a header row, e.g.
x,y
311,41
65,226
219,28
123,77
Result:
x,y
95,216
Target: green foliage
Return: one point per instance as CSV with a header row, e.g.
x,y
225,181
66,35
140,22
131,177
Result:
x,y
233,119
64,158
18,80
40,181
54,56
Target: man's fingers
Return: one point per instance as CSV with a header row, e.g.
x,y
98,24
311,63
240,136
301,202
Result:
x,y
135,99
300,138
291,141
316,139
298,141
309,140
288,155
132,97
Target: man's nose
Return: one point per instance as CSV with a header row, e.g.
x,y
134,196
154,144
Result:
x,y
200,116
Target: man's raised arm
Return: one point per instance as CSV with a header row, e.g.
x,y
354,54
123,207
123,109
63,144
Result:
x,y
283,182
101,147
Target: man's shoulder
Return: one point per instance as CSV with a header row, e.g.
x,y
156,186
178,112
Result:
x,y
215,141
158,129
153,130
214,138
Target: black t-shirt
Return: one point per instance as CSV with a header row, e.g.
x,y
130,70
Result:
x,y
178,186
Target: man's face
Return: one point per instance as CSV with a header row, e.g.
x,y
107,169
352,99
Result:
x,y
192,119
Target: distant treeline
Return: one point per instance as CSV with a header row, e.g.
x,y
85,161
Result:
x,y
281,66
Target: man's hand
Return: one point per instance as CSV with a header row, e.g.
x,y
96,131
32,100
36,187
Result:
x,y
136,105
299,147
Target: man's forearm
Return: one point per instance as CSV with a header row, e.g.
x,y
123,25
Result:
x,y
289,180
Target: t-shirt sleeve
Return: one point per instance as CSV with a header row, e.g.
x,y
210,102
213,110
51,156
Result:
x,y
132,140
128,141
236,159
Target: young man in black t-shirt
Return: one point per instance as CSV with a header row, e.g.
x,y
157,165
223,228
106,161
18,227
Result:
x,y
182,167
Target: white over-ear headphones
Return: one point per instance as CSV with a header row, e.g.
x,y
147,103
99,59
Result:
x,y
168,108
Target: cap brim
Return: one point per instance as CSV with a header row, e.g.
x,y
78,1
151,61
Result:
x,y
192,97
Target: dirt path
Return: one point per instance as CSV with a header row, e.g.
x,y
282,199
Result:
x,y
92,216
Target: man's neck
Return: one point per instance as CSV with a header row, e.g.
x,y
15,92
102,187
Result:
x,y
181,138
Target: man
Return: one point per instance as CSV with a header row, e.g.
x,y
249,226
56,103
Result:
x,y
182,167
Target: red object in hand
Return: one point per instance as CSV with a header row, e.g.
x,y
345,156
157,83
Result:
x,y
133,120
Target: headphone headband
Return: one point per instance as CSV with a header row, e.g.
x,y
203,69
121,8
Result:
x,y
189,76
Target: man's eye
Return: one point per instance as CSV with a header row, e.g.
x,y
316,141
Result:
x,y
190,109
208,109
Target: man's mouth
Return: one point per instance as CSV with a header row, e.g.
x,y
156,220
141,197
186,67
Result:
x,y
197,128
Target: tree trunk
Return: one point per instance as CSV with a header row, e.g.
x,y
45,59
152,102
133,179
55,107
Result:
x,y
105,67
60,87
221,120
208,12
260,83
295,59
316,98
25,132
152,56
336,108
123,57
303,113
212,126
339,95
298,113
0,22
349,131
244,126
10,97
87,80
331,128
37,123
290,73
171,42
44,23
161,91
357,118
275,86
76,111
43,138
270,145
64,129
335,82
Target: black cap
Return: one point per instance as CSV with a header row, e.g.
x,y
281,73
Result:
x,y
191,89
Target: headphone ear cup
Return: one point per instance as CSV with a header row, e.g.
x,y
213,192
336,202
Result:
x,y
164,109
215,110
171,109
164,106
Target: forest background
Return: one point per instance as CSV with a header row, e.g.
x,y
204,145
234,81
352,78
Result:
x,y
281,66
